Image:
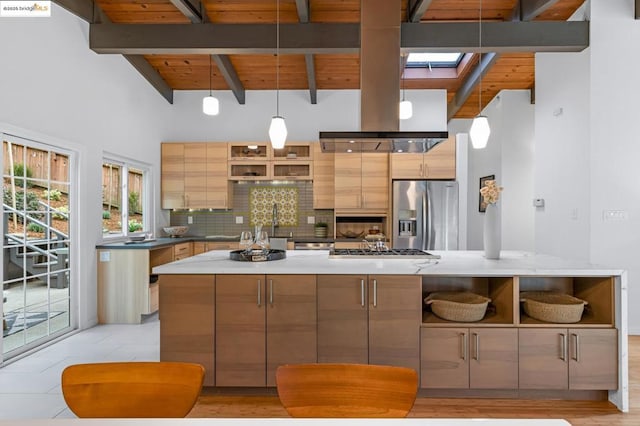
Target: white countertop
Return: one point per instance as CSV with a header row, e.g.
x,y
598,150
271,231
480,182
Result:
x,y
287,422
451,263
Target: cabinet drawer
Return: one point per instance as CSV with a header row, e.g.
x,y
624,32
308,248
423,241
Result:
x,y
181,251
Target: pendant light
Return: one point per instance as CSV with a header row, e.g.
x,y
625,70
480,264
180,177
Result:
x,y
406,108
480,130
210,104
278,128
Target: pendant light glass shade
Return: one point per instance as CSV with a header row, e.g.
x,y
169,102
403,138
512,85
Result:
x,y
210,105
277,132
479,132
406,110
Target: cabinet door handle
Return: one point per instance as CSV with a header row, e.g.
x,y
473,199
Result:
x,y
259,295
420,169
375,293
563,346
362,293
463,346
271,292
476,353
576,353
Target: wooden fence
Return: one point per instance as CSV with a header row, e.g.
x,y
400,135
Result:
x,y
111,185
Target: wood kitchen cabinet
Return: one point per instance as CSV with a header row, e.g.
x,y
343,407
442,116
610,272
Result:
x,y
262,322
205,246
469,358
437,163
323,178
573,358
194,176
369,319
187,315
361,181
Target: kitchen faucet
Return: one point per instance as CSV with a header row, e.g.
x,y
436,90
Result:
x,y
274,220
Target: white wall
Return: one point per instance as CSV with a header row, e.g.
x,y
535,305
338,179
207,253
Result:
x,y
508,156
614,147
55,90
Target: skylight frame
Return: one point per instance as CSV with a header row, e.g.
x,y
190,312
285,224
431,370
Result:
x,y
437,62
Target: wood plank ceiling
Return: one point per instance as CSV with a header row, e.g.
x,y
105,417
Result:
x,y
334,71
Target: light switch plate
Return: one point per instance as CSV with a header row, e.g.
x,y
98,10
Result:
x,y
189,220
311,220
615,215
239,220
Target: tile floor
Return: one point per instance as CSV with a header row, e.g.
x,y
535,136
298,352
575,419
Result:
x,y
30,387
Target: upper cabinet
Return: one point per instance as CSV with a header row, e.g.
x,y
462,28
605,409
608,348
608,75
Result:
x,y
437,163
323,176
258,161
194,176
361,181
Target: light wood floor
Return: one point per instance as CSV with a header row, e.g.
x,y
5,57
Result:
x,y
576,412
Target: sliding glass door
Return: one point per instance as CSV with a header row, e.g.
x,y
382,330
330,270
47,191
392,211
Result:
x,y
37,281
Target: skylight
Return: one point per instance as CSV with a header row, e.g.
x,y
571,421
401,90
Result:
x,y
434,60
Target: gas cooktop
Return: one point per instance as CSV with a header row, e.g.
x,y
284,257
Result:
x,y
385,254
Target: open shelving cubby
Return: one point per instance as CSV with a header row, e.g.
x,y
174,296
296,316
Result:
x,y
598,292
500,290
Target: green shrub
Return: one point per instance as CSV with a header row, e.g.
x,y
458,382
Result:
x,y
134,202
62,214
134,226
106,214
32,202
20,173
54,195
34,227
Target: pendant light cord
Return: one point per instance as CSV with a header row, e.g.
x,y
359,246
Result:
x,y
278,58
210,83
480,59
402,81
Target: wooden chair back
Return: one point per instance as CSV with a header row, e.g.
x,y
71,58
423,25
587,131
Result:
x,y
132,389
346,390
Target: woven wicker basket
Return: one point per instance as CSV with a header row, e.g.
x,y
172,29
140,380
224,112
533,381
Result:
x,y
552,306
458,306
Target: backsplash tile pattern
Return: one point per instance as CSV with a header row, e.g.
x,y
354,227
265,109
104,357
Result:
x,y
223,222
262,200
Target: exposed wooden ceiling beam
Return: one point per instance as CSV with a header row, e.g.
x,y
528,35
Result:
x,y
637,7
230,76
311,77
417,9
152,76
529,9
191,11
303,10
470,84
91,12
543,36
302,6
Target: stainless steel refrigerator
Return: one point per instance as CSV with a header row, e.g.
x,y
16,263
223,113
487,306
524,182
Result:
x,y
425,214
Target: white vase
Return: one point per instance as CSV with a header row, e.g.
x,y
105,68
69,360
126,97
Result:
x,y
491,235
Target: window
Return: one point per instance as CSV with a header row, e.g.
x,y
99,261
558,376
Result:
x,y
125,198
434,60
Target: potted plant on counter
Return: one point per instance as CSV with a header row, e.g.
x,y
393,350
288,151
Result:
x,y
320,230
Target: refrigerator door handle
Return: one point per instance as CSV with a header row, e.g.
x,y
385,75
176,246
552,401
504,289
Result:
x,y
425,235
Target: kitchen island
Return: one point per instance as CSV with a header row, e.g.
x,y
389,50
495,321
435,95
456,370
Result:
x,y
243,319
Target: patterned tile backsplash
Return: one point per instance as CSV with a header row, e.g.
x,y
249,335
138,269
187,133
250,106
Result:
x,y
262,200
253,201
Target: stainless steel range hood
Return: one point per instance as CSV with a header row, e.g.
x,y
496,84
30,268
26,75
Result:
x,y
380,141
380,89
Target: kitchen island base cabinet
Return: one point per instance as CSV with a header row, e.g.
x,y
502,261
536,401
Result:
x,y
469,358
371,319
187,315
574,359
263,321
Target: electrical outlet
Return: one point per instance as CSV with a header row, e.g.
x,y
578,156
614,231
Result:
x,y
189,220
239,220
615,215
311,220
